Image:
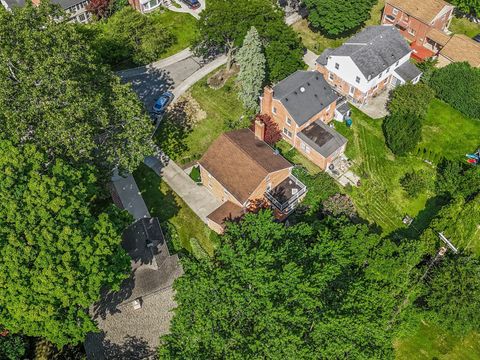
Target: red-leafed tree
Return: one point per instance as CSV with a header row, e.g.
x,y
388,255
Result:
x,y
99,8
272,131
257,204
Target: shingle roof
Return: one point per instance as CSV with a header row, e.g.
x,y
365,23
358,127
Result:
x,y
14,3
408,71
66,4
225,212
240,162
424,10
374,49
322,138
438,36
462,48
304,94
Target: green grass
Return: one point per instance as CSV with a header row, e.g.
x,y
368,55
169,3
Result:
x,y
316,42
449,132
177,219
294,156
431,342
463,26
182,25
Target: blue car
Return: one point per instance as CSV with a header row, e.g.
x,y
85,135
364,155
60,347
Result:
x,y
162,102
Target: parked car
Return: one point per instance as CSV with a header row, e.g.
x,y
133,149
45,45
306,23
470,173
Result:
x,y
192,4
162,102
477,38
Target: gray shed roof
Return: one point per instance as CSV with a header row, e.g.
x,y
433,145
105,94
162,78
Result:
x,y
304,94
408,71
322,138
373,50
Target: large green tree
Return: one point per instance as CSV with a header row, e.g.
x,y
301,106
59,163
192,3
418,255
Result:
x,y
411,99
468,6
403,131
55,93
58,247
337,17
220,30
251,60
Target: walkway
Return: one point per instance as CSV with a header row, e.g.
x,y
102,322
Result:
x,y
185,9
198,198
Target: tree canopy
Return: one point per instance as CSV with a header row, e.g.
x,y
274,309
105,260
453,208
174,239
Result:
x,y
58,247
411,99
338,17
468,6
403,131
55,93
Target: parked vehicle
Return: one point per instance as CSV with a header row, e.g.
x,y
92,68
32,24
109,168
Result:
x,y
192,4
162,102
477,38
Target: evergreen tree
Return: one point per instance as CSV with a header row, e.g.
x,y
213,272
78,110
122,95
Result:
x,y
251,61
403,131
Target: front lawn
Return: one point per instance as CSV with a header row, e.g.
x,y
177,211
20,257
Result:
x,y
464,26
179,222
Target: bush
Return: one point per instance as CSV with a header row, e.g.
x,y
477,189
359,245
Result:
x,y
413,183
457,179
195,174
458,84
12,347
339,204
411,99
403,131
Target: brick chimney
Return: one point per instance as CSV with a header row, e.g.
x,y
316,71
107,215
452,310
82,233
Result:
x,y
267,100
259,130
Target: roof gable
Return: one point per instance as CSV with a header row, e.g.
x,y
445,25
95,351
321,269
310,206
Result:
x,y
424,10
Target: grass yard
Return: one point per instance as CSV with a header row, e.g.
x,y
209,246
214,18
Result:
x,y
316,42
177,219
464,26
431,342
294,156
182,25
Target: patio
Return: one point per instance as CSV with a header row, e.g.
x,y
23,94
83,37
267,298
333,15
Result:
x,y
339,170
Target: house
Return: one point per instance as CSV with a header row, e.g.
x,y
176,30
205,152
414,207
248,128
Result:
x,y
132,319
302,105
415,19
241,170
369,62
76,9
458,49
145,6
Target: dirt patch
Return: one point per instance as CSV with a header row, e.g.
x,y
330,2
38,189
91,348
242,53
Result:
x,y
219,79
188,110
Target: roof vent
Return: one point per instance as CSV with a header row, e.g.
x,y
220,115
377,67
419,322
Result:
x,y
302,89
286,99
295,93
308,84
315,95
316,77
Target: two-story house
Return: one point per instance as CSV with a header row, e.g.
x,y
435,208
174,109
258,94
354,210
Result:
x,y
368,63
240,169
423,23
302,105
76,9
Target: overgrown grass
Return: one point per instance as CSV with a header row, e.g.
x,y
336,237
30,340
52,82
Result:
x,y
179,222
464,26
317,42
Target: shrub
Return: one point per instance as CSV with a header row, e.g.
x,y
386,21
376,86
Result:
x,y
12,346
195,174
411,99
457,179
458,84
402,131
413,183
339,204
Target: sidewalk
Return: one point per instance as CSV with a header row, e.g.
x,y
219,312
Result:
x,y
198,198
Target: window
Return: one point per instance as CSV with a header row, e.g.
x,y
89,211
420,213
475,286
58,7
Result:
x,y
330,76
289,121
337,66
357,80
305,148
352,90
287,133
274,110
395,11
411,32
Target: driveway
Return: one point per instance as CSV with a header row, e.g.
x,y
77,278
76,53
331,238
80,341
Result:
x,y
185,9
198,198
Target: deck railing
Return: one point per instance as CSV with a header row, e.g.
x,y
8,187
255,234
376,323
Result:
x,y
289,205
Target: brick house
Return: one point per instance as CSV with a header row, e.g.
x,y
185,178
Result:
x,y
368,63
302,105
240,169
458,49
423,23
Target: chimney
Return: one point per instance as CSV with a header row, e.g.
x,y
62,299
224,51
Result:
x,y
267,99
259,130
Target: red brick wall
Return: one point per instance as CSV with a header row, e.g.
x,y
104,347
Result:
x,y
217,189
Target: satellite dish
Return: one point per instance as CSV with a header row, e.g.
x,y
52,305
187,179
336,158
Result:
x,y
302,89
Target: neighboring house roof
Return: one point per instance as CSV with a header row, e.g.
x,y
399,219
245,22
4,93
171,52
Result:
x,y
322,138
14,3
462,48
438,36
240,161
125,190
304,94
408,71
424,10
373,50
226,212
67,4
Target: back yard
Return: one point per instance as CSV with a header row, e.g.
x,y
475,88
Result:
x,y
464,26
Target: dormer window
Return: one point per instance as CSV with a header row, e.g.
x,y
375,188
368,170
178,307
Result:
x,y
357,80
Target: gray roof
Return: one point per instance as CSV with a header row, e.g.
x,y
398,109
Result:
x,y
323,58
408,71
343,108
373,50
304,94
67,4
322,138
126,191
14,3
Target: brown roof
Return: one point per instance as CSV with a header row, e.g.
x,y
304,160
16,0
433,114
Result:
x,y
438,36
462,48
424,10
225,212
240,162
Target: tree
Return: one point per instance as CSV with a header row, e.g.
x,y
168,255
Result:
x,y
339,204
403,131
272,131
12,346
59,245
427,67
100,9
457,179
411,99
58,96
251,61
471,7
338,17
413,183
